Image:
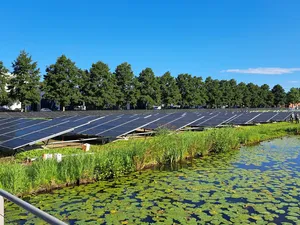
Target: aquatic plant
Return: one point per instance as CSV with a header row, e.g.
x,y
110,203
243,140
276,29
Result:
x,y
119,158
256,185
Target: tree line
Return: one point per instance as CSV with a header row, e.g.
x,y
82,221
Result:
x,y
99,88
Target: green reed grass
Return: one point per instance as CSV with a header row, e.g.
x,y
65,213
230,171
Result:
x,y
119,158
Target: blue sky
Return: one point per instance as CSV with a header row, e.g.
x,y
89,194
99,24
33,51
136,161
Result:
x,y
252,41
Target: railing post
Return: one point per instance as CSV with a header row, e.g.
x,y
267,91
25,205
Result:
x,y
28,207
1,210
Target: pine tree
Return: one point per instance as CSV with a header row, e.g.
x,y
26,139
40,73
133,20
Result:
x,y
279,95
100,86
126,90
149,89
24,84
61,82
213,92
4,98
170,94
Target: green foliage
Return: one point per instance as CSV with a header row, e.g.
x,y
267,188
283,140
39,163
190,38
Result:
x,y
227,89
100,89
222,140
126,91
149,89
61,82
4,98
213,92
255,99
293,96
192,90
255,185
170,94
245,96
266,96
279,95
100,86
116,159
24,84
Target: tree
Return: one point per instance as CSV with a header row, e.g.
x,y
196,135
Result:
x,y
242,95
198,92
100,86
61,82
213,92
255,98
293,96
126,91
266,96
24,84
169,90
149,89
4,98
279,95
227,88
184,84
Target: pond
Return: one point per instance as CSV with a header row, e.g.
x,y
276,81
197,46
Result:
x,y
258,184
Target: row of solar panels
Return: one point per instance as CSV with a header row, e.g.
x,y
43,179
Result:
x,y
19,132
56,114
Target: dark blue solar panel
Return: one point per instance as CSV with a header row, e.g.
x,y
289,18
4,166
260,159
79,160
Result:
x,y
263,117
8,120
34,128
182,121
105,126
14,143
244,118
95,124
5,138
131,125
281,116
216,120
21,126
21,122
163,121
19,138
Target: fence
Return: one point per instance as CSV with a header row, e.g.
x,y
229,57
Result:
x,y
28,207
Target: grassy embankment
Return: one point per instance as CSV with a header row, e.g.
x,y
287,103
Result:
x,y
118,158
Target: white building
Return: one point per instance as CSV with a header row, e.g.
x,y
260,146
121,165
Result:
x,y
15,105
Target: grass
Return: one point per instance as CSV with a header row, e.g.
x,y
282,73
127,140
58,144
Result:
x,y
119,158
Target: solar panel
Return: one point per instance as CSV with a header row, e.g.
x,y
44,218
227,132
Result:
x,y
132,125
182,121
207,117
244,118
169,118
281,116
264,117
42,131
21,122
108,126
19,126
217,120
89,128
8,120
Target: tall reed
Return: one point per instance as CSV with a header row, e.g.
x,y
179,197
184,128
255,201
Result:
x,y
116,159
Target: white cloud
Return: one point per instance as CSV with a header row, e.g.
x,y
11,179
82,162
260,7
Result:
x,y
293,81
263,70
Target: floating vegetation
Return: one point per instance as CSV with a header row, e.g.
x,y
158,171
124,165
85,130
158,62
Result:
x,y
258,184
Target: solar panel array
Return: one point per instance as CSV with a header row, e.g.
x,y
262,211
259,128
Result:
x,y
19,132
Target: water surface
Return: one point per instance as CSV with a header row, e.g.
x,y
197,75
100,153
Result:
x,y
258,184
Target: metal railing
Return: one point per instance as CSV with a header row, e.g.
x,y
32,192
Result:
x,y
28,207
